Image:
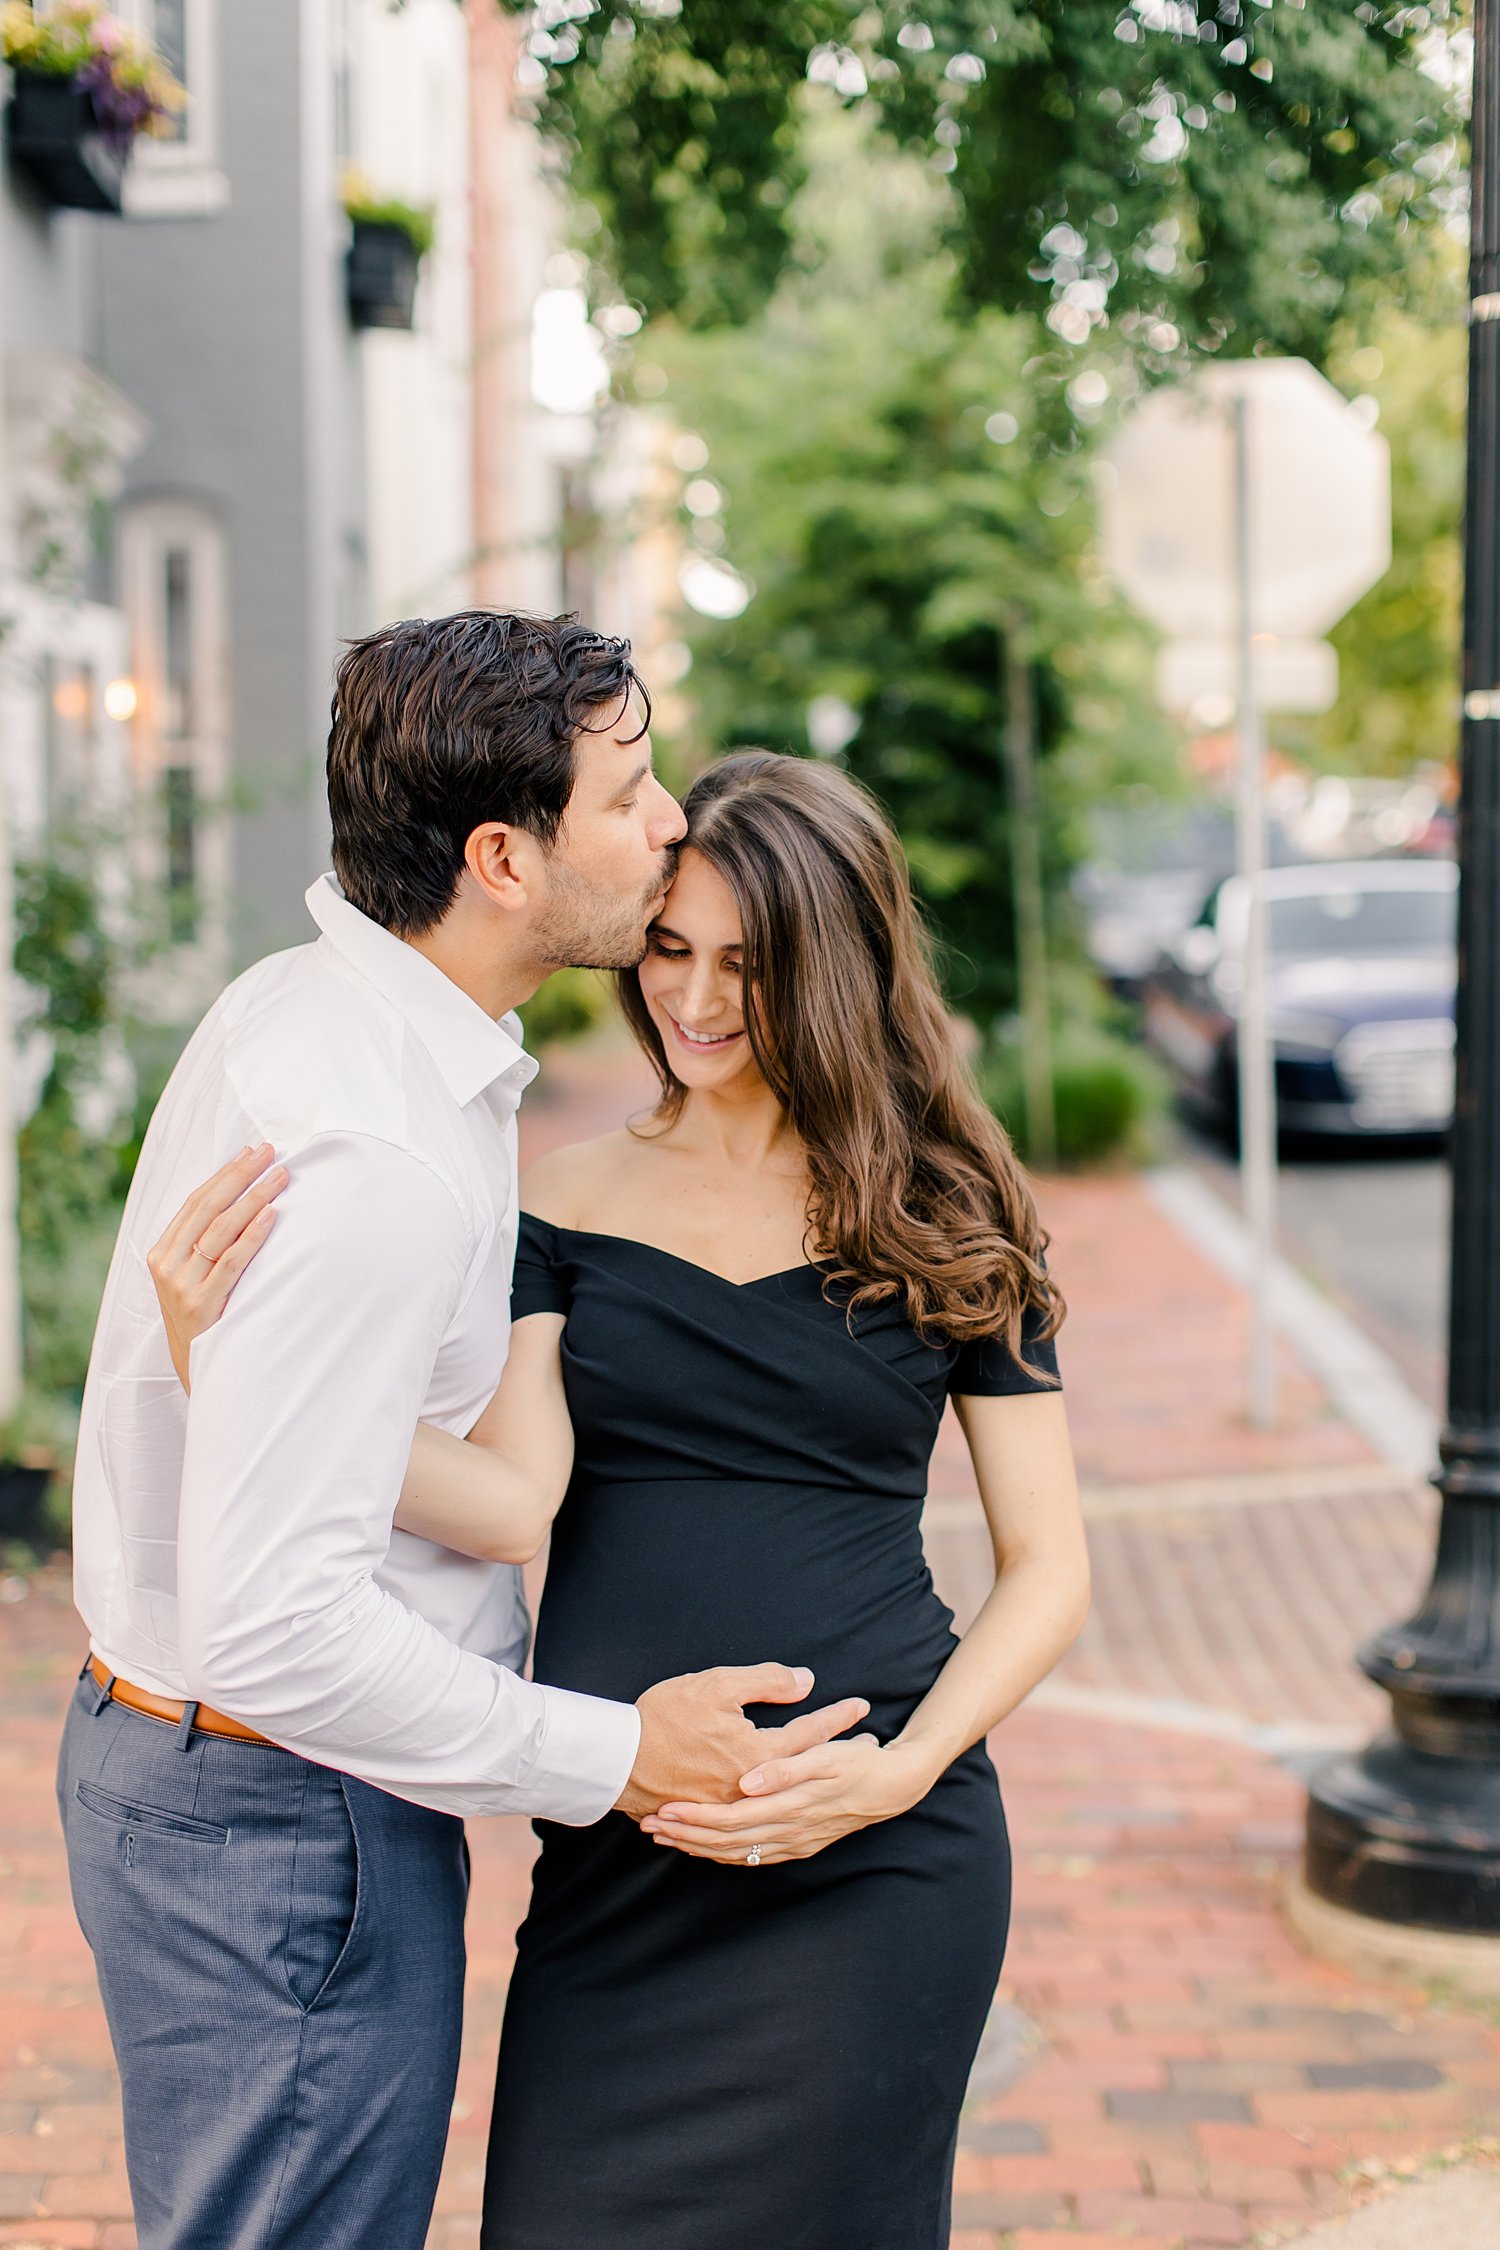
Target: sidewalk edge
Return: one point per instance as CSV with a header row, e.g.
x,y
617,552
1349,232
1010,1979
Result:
x,y
1363,1383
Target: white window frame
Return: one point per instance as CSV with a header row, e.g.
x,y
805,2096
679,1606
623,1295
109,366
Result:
x,y
190,971
182,178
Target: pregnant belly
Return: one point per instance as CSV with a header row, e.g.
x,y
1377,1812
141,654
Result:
x,y
648,1580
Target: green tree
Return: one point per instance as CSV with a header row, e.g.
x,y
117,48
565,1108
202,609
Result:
x,y
1211,173
1398,647
899,494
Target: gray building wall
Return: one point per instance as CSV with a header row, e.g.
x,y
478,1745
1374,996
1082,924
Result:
x,y
45,270
229,332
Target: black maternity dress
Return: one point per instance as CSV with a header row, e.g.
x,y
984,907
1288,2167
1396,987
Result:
x,y
702,2057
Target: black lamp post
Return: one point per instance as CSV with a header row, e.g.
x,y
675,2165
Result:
x,y
1408,1830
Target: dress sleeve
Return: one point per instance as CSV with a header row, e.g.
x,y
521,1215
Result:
x,y
987,1369
541,1282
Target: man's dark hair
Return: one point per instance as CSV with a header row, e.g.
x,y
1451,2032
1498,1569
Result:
x,y
443,723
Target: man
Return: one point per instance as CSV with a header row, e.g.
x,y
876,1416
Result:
x,y
288,1703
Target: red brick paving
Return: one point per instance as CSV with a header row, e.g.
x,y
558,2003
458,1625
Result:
x,y
1161,2036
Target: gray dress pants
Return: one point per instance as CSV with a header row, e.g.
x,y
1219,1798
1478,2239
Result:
x,y
280,1949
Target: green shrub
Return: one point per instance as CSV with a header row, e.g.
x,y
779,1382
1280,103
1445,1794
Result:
x,y
68,1213
1108,1096
71,1182
570,1003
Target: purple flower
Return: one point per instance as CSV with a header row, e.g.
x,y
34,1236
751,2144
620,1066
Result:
x,y
121,112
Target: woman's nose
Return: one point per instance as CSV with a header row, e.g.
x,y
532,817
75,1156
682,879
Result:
x,y
703,991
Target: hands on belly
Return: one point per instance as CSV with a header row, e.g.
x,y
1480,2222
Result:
x,y
696,1742
795,1807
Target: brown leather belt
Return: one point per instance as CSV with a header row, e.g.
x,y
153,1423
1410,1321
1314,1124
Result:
x,y
162,1707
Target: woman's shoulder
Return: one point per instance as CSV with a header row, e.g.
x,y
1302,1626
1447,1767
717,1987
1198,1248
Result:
x,y
569,1187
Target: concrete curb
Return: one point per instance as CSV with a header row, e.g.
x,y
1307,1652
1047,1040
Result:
x,y
1459,2211
1394,1952
1362,1381
1294,1742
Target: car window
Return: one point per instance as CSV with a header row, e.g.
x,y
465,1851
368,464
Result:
x,y
1345,920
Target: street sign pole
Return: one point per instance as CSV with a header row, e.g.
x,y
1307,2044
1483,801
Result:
x,y
1408,1830
1269,440
1255,1070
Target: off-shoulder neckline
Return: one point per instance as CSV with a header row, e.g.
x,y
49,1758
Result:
x,y
633,1242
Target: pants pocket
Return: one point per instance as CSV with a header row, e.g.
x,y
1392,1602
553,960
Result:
x,y
128,1812
327,1892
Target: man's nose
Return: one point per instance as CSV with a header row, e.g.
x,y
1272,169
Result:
x,y
669,825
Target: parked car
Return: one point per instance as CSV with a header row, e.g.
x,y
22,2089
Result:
x,y
1361,965
1145,879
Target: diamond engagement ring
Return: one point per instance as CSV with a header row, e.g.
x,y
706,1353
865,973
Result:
x,y
752,1857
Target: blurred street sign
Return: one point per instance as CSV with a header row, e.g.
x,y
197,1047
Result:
x,y
1199,677
1244,511
1320,532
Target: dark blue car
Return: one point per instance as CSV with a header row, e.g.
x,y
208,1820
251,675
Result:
x,y
1361,966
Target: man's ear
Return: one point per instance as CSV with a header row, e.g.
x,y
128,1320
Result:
x,y
504,864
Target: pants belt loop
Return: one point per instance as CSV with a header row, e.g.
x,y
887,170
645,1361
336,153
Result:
x,y
185,1726
102,1693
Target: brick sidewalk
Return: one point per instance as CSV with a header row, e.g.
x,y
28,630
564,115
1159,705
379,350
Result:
x,y
1164,2064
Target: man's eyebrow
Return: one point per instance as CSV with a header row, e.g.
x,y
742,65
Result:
x,y
636,778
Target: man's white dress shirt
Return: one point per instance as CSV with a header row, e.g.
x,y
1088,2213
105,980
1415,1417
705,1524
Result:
x,y
237,1546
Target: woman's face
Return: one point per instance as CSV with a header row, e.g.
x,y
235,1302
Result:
x,y
691,980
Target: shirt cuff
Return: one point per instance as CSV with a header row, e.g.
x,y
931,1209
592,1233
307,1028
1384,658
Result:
x,y
587,1750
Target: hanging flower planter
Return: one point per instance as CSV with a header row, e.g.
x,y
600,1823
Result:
x,y
388,242
84,87
382,275
56,140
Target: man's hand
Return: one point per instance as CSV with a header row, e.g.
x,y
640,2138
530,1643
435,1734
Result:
x,y
696,1740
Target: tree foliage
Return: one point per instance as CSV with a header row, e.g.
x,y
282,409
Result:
x,y
901,494
1398,648
1204,173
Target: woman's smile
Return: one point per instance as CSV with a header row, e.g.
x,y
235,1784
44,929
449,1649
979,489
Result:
x,y
704,1042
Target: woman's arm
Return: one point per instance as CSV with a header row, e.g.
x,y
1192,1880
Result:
x,y
493,1494
794,1807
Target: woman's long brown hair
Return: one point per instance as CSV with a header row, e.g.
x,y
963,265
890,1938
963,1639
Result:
x,y
916,1191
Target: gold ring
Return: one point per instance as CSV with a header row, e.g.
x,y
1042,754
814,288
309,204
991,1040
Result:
x,y
205,1255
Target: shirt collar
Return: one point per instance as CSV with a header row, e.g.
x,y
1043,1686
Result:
x,y
471,1050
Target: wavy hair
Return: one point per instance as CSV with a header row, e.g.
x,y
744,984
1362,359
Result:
x,y
917,1193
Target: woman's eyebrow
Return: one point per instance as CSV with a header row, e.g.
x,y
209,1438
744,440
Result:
x,y
664,929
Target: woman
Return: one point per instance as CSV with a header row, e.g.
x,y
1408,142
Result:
x,y
737,1327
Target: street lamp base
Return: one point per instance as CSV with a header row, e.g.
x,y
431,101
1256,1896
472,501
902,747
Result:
x,y
1403,1835
1392,1952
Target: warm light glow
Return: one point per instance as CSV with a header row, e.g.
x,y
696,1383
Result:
x,y
121,699
70,699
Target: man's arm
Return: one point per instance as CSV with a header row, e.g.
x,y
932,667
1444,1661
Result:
x,y
304,1400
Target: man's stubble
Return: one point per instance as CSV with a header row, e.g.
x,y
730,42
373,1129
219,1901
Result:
x,y
584,926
